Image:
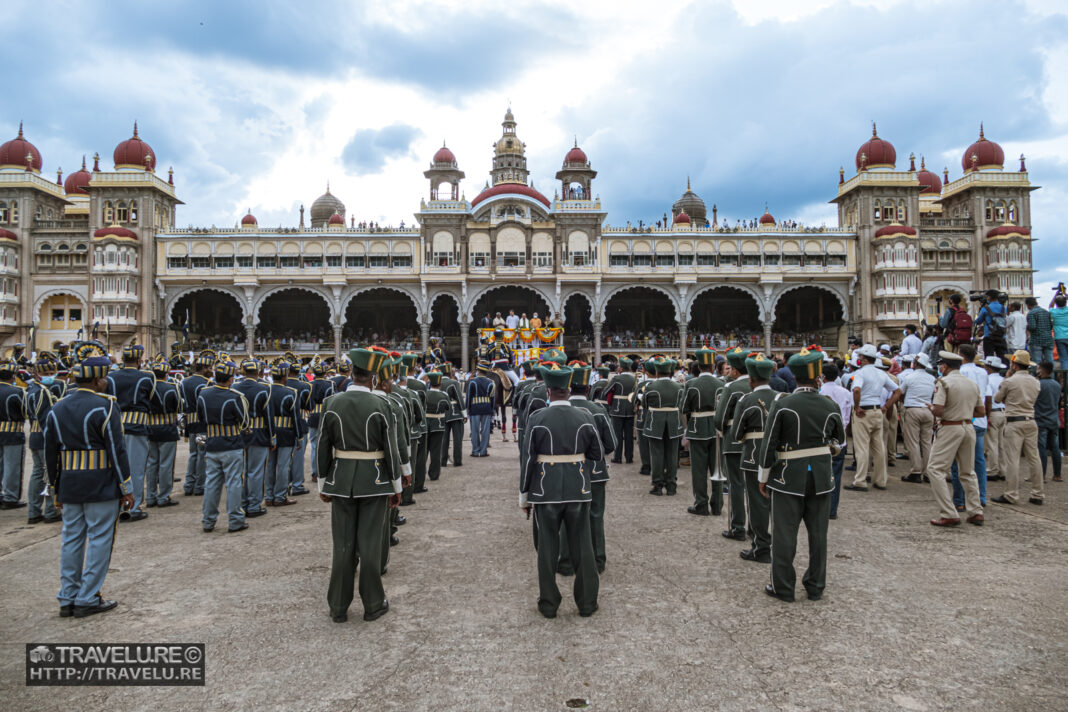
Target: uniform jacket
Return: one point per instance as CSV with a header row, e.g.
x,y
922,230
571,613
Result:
x,y
303,389
621,386
663,393
637,408
318,391
85,453
285,415
560,431
39,402
750,417
598,393
437,409
357,421
133,390
420,390
480,395
729,396
261,425
224,411
190,388
451,388
341,382
699,406
12,414
801,420
163,410
417,415
398,405
598,468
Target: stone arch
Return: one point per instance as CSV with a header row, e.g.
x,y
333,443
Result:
x,y
945,287
583,315
748,289
58,291
172,299
472,299
417,300
672,297
835,291
443,324
262,297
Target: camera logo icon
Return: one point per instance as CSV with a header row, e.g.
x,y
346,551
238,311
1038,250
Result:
x,y
42,654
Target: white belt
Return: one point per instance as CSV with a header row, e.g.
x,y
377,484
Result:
x,y
807,452
662,410
560,459
703,414
753,436
437,415
359,455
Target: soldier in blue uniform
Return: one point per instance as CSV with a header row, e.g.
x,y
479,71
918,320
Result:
x,y
12,435
41,395
480,397
163,436
89,478
224,412
190,390
284,412
319,390
132,389
434,354
260,439
341,381
303,389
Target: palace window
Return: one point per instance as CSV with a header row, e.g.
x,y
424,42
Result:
x,y
728,260
333,260
665,260
771,260
288,262
511,259
836,260
791,260
313,262
706,259
378,261
133,211
645,260
579,259
244,261
750,260
542,259
177,263
5,213
618,261
402,261
355,261
200,262
122,212
266,262
478,259
224,263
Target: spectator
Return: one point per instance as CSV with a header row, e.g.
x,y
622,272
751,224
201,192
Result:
x,y
1047,419
956,323
512,321
535,323
1059,316
992,317
524,322
787,375
1039,332
911,345
1016,328
558,321
486,322
844,400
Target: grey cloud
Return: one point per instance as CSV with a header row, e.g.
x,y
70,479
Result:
x,y
369,149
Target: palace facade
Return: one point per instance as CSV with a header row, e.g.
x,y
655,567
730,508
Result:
x,y
99,253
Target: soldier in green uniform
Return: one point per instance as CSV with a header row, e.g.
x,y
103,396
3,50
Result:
x,y
598,392
397,405
804,430
420,453
416,425
621,387
520,397
561,441
731,451
750,416
640,413
437,409
580,388
699,406
454,421
663,427
360,476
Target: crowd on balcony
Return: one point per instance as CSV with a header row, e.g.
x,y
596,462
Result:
x,y
668,339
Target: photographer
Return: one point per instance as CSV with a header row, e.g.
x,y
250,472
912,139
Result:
x,y
993,319
956,323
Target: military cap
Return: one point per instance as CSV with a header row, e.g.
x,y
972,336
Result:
x,y
603,371
280,369
445,367
409,358
580,375
160,365
759,366
556,376
555,355
705,357
93,362
132,352
529,365
736,358
46,362
344,366
367,359
250,367
319,368
8,367
577,362
224,370
666,366
1021,358
19,346
626,362
485,367
649,365
806,364
205,358
434,378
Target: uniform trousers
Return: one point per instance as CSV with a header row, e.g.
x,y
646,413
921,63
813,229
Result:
x,y
757,510
278,466
980,470
787,513
454,431
664,461
597,504
137,452
85,550
418,459
313,441
194,469
954,442
702,467
869,445
255,468
732,468
433,444
995,433
890,428
296,464
643,451
1021,445
575,516
481,429
36,502
624,429
357,527
159,471
11,465
917,425
224,469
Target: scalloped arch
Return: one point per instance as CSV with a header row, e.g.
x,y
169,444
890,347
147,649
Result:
x,y
417,301
673,298
173,299
761,310
842,301
57,291
262,297
472,299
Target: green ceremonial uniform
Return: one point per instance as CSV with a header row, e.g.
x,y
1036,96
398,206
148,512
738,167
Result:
x,y
803,428
359,468
598,476
640,412
662,427
731,451
621,409
454,422
561,442
416,437
750,416
699,406
437,408
421,452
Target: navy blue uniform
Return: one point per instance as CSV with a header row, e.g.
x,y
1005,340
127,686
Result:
x,y
190,388
12,440
224,412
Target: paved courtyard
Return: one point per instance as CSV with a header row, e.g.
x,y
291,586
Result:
x,y
913,618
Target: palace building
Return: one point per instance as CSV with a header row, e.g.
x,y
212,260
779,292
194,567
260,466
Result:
x,y
99,253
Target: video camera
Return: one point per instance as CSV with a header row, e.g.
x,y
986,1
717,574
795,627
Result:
x,y
1060,289
984,296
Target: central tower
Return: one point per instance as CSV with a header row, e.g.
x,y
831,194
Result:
x,y
509,155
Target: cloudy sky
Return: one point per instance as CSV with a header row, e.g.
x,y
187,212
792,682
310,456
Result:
x,y
257,105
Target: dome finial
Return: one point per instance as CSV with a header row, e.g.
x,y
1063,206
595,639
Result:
x,y
96,163
83,161
687,184
1023,165
135,128
576,140
328,187
874,133
981,136
923,165
20,128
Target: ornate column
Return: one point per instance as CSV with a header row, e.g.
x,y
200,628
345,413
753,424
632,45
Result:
x,y
250,338
682,339
597,342
337,342
424,335
465,338
767,336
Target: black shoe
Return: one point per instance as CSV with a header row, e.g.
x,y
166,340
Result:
x,y
409,503
1001,499
199,494
243,527
749,555
53,520
832,516
401,520
879,487
35,520
700,511
630,461
66,611
814,596
187,493
135,516
617,462
671,491
340,619
150,504
12,505
782,597
657,490
601,567
915,478
256,513
926,479
458,464
590,612
102,605
737,536
644,471
1036,500
855,488
298,492
168,503
433,479
377,614
547,614
393,540
208,530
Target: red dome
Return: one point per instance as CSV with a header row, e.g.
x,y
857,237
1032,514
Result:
x,y
877,152
444,155
987,153
115,231
336,219
576,155
249,220
1006,230
505,188
8,235
131,153
767,218
682,218
13,153
930,184
77,181
895,229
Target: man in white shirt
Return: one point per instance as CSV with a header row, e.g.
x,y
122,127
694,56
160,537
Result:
x,y
911,344
869,439
977,374
1015,329
917,388
995,427
511,321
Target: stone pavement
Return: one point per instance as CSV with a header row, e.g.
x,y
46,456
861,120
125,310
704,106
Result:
x,y
913,618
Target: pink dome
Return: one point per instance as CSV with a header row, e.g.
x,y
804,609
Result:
x,y
987,154
134,153
13,153
249,220
78,181
876,152
444,155
505,188
682,219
